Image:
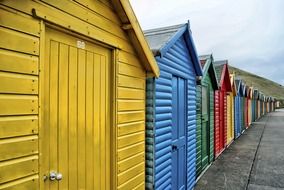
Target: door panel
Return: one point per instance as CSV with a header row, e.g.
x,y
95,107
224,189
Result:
x,y
205,131
230,127
217,123
225,127
76,114
179,133
222,121
175,132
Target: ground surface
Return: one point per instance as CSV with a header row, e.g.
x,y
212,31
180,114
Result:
x,y
255,161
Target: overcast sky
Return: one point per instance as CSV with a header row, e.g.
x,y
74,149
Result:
x,y
249,33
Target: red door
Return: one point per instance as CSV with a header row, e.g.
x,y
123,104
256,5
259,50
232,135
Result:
x,y
225,120
222,121
217,123
246,113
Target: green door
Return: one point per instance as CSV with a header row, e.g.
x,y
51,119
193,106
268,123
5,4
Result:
x,y
205,130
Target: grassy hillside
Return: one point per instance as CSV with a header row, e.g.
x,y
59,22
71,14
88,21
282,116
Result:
x,y
268,87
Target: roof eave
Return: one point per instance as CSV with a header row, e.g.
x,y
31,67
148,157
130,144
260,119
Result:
x,y
226,73
209,66
165,48
233,84
193,52
191,47
135,33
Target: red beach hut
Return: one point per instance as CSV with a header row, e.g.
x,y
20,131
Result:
x,y
246,110
223,76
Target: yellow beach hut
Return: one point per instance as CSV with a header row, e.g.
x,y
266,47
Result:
x,y
72,95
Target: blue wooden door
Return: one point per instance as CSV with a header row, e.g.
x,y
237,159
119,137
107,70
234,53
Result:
x,y
237,117
179,133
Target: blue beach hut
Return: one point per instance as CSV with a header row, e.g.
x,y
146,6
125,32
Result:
x,y
171,109
239,108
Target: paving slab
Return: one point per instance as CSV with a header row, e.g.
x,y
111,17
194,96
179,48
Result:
x,y
268,169
255,161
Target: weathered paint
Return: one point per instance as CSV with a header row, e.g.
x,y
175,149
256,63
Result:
x,y
72,95
221,106
171,111
205,114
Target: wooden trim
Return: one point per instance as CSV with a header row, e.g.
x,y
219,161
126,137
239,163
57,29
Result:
x,y
114,113
139,36
41,103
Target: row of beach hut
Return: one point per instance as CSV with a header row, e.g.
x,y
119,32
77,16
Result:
x,y
89,101
195,109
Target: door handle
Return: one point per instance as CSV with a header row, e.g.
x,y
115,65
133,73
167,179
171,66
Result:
x,y
59,176
174,147
55,176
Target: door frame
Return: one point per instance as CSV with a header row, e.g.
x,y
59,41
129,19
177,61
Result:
x,y
112,105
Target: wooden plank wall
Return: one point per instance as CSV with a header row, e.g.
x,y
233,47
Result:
x,y
19,102
19,65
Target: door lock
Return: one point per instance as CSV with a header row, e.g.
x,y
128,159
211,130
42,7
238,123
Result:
x,y
55,176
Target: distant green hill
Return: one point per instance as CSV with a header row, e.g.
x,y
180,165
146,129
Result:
x,y
266,86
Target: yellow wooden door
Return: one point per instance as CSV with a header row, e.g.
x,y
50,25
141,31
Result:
x,y
249,112
233,114
76,129
229,120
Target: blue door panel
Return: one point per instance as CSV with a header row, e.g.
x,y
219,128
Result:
x,y
178,133
182,106
175,132
175,108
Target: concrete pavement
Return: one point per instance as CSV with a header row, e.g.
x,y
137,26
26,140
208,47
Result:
x,y
255,161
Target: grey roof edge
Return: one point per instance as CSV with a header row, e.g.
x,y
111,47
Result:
x,y
162,30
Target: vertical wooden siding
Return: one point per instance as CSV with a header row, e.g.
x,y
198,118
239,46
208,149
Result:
x,y
198,129
249,111
19,124
229,120
230,117
207,82
77,98
233,114
212,125
237,129
97,20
